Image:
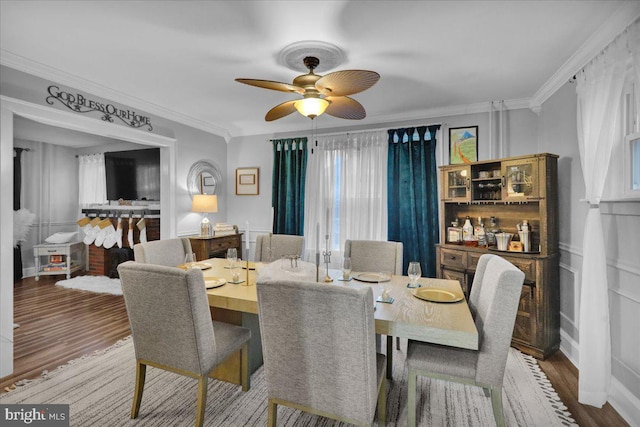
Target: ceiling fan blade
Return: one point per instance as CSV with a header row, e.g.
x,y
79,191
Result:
x,y
268,84
346,82
345,108
279,111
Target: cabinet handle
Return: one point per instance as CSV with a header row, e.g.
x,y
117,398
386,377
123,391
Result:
x,y
453,258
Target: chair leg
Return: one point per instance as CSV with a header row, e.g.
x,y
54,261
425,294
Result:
x,y
141,373
411,404
273,413
389,356
201,400
244,368
496,403
382,403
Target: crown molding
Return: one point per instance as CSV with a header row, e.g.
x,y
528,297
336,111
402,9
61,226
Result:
x,y
20,63
457,110
624,16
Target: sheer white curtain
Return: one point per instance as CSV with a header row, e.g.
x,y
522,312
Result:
x,y
345,191
92,179
599,89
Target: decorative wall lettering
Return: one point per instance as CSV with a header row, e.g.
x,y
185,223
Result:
x,y
81,104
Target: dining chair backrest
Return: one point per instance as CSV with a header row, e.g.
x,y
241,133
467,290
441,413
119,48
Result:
x,y
168,252
495,297
374,256
319,347
280,244
176,331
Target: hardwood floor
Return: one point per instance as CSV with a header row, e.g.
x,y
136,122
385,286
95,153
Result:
x,y
58,325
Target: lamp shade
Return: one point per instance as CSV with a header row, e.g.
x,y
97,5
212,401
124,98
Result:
x,y
204,203
311,107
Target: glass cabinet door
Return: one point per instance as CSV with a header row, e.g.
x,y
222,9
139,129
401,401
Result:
x,y
457,184
520,179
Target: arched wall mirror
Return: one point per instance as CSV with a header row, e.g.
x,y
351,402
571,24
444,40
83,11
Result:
x,y
204,177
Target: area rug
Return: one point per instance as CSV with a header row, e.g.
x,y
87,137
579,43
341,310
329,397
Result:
x,y
99,389
98,284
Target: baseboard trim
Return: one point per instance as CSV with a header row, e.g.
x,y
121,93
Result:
x,y
625,403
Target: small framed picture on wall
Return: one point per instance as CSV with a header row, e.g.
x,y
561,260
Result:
x,y
463,145
248,181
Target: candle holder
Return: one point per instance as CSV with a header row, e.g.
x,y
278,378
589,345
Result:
x,y
327,260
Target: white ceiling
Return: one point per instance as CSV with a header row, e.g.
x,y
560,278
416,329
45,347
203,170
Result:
x,y
179,59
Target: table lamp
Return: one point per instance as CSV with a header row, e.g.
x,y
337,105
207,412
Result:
x,y
205,203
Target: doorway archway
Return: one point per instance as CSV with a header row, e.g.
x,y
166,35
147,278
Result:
x,y
11,107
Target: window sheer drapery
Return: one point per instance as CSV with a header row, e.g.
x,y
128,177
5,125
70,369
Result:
x,y
288,185
92,179
599,89
346,190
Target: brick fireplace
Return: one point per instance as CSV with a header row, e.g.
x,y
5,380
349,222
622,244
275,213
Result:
x,y
102,262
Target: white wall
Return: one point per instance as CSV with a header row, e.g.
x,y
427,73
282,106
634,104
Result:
x,y
621,224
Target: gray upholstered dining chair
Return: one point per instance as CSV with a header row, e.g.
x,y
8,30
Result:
x,y
168,252
176,333
494,300
280,244
375,256
319,351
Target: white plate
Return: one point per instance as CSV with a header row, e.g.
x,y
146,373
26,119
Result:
x,y
200,265
214,282
436,295
371,277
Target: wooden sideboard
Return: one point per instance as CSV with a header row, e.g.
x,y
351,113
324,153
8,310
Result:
x,y
510,190
215,247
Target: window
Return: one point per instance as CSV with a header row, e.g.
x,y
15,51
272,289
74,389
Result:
x,y
623,180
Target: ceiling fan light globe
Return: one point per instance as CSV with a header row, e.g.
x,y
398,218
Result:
x,y
311,107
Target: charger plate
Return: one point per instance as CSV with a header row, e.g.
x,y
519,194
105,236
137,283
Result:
x,y
214,282
436,295
371,277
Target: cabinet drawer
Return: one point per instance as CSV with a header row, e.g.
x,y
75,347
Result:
x,y
528,267
472,260
453,258
59,250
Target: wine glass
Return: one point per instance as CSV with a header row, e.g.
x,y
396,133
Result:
x,y
346,268
232,256
235,271
414,271
190,260
383,282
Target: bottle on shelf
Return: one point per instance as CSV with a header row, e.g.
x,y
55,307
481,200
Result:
x,y
454,233
467,229
480,233
491,231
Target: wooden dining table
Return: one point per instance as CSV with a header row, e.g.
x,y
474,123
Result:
x,y
408,317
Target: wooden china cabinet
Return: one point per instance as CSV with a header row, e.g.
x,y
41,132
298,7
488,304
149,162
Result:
x,y
510,190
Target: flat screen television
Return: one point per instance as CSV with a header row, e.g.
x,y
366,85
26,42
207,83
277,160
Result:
x,y
133,175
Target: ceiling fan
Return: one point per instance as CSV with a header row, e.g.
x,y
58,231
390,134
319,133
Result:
x,y
320,94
